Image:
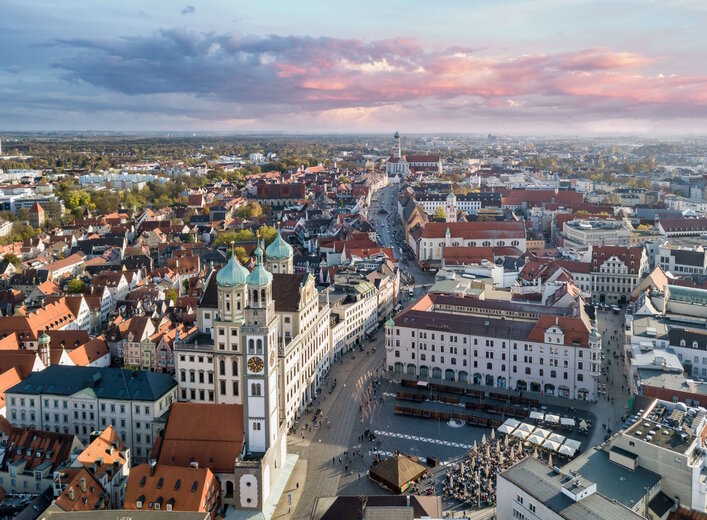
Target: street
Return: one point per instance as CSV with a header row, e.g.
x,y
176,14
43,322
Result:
x,y
390,233
613,398
318,447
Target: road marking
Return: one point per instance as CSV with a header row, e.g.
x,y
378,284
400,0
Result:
x,y
449,462
423,439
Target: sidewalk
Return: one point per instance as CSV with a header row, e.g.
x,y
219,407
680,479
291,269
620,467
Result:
x,y
286,507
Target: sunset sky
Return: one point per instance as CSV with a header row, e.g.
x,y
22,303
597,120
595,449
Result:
x,y
521,67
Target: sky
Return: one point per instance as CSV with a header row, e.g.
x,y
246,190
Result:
x,y
530,67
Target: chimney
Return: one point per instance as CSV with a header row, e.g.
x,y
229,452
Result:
x,y
83,484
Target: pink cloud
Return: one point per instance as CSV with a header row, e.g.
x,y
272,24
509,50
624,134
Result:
x,y
260,75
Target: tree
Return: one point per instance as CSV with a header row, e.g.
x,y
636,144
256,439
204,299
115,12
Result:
x,y
241,255
76,286
440,213
12,258
250,210
171,295
244,235
344,179
268,233
76,198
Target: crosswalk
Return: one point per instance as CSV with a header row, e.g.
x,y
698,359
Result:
x,y
423,439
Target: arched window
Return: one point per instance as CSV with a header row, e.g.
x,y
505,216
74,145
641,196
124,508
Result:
x,y
222,367
694,344
255,389
251,346
262,295
235,367
255,296
259,347
682,342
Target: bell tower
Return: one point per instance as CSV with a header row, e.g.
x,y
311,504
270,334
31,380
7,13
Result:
x,y
232,302
260,351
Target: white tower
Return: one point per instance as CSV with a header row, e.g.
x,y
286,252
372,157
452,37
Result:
x,y
261,418
450,207
396,136
232,301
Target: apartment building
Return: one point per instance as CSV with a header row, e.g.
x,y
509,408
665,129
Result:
x,y
31,457
596,232
81,400
497,344
438,235
682,261
616,271
355,300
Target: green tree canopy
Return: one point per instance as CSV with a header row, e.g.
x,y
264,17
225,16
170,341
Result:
x,y
250,210
76,286
12,258
171,295
268,233
440,213
244,235
241,255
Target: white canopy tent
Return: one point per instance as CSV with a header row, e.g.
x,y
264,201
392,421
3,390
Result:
x,y
567,421
566,450
536,439
521,434
537,416
573,444
551,445
528,428
556,437
552,418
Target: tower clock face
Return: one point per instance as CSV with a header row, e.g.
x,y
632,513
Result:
x,y
255,364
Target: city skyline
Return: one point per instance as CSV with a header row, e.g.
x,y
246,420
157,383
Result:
x,y
512,67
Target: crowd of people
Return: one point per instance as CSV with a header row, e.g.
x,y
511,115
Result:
x,y
473,480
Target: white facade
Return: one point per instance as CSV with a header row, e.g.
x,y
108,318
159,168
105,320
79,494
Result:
x,y
431,248
84,412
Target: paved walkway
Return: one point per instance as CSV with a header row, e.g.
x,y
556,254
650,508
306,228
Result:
x,y
315,472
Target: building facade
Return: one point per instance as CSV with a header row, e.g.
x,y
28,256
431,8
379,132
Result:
x,y
443,337
81,400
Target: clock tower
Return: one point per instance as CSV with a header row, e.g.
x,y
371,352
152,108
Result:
x,y
259,334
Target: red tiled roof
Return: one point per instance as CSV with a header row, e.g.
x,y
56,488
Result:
x,y
210,434
475,230
574,329
185,488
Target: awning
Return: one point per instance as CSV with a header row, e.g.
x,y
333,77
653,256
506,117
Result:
x,y
556,437
520,434
372,328
551,445
423,384
537,416
551,418
566,450
536,439
508,426
573,443
567,421
525,427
